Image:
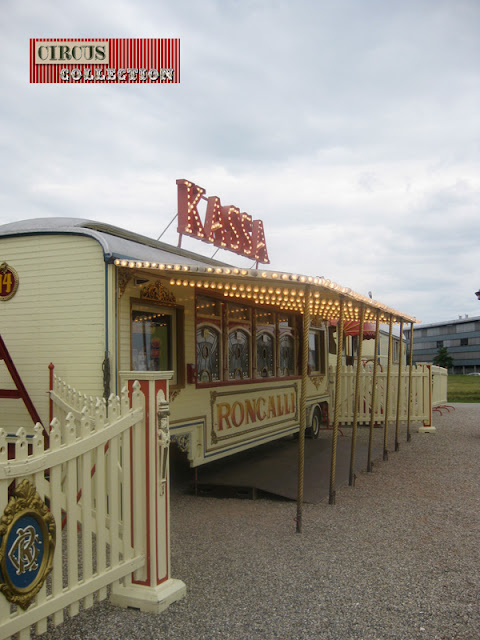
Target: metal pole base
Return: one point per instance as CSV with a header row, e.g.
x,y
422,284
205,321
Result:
x,y
331,499
385,455
430,429
299,524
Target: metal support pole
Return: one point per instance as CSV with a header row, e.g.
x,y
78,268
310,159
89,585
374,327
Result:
x,y
387,394
351,477
338,390
303,408
374,393
409,435
399,388
168,225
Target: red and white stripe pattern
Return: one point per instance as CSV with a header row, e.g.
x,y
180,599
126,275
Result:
x,y
124,53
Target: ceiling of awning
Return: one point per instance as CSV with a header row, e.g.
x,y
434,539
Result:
x,y
286,291
352,328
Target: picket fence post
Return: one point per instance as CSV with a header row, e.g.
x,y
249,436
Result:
x,y
150,588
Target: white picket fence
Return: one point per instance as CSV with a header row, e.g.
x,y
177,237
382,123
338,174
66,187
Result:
x,y
85,478
429,388
65,399
439,385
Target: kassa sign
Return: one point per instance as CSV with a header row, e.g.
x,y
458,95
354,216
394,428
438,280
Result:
x,y
224,226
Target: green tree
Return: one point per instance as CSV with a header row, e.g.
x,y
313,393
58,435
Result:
x,y
443,358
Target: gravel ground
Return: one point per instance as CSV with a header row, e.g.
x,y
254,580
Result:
x,y
397,557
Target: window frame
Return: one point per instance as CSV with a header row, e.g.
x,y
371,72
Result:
x,y
216,329
224,324
176,346
320,349
260,333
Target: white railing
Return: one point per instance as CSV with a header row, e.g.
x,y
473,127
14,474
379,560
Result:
x,y
439,385
419,408
89,495
65,399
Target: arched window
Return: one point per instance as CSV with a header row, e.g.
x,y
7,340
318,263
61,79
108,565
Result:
x,y
265,355
238,355
287,355
208,354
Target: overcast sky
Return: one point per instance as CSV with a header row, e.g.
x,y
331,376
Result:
x,y
350,127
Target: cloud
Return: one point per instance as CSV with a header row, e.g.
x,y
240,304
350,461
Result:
x,y
350,128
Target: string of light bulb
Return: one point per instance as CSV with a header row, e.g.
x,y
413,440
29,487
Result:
x,y
270,288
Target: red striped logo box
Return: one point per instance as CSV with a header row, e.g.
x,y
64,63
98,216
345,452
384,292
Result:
x,y
108,60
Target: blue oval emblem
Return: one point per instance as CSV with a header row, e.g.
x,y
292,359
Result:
x,y
24,551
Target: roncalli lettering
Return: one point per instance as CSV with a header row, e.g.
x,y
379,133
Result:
x,y
254,410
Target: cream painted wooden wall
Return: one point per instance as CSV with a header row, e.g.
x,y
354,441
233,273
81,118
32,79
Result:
x,y
57,315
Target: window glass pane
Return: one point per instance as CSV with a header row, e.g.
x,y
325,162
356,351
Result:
x,y
286,320
264,317
238,313
208,360
265,355
208,307
287,356
151,341
313,352
465,327
238,355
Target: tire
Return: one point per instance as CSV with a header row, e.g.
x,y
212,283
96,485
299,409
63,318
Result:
x,y
316,423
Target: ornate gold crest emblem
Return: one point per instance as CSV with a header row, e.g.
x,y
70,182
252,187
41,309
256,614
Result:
x,y
8,281
27,545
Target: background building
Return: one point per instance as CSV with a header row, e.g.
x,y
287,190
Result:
x,y
461,337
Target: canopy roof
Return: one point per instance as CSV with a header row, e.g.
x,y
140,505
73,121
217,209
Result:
x,y
264,287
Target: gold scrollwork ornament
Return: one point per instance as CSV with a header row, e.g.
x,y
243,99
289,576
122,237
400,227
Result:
x,y
27,545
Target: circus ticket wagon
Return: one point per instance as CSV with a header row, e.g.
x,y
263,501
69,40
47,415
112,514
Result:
x,y
101,303
114,345
244,345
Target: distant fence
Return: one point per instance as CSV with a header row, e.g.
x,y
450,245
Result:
x,y
439,385
429,388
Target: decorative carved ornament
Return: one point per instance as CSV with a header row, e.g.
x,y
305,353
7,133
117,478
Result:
x,y
158,292
27,534
173,394
182,442
317,321
317,380
124,277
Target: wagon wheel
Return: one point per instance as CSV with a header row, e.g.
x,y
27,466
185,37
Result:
x,y
316,423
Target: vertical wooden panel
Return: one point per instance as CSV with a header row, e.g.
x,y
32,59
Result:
x,y
4,604
42,488
71,500
114,484
127,550
56,510
100,499
86,503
